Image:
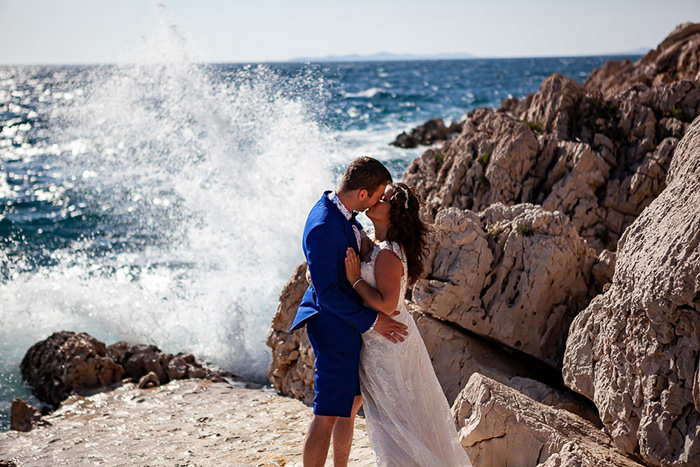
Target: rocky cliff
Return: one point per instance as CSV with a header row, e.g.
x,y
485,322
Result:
x,y
597,152
577,203
634,350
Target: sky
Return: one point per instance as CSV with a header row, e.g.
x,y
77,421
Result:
x,y
107,31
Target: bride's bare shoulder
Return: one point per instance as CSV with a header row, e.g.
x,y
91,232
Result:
x,y
388,261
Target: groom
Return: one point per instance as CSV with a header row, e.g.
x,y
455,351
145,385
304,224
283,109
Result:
x,y
334,314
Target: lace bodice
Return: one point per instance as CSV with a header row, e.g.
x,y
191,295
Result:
x,y
367,269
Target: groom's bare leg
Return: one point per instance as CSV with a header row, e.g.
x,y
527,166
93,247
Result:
x,y
318,439
342,435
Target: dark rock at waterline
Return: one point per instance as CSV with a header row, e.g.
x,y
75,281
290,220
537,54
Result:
x,y
149,380
69,362
24,417
139,360
431,131
406,141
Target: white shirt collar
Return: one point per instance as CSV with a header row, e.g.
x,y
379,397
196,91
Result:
x,y
334,197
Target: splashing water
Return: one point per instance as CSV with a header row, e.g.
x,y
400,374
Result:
x,y
192,192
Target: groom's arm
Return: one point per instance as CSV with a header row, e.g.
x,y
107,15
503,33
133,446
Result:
x,y
325,256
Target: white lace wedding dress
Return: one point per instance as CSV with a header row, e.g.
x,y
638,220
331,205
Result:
x,y
408,418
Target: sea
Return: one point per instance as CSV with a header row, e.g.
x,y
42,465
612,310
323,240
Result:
x,y
162,200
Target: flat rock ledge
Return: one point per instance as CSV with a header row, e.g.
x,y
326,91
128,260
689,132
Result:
x,y
185,422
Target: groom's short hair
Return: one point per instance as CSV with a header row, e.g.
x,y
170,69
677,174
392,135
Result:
x,y
364,173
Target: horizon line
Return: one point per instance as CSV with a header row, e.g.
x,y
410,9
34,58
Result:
x,y
330,59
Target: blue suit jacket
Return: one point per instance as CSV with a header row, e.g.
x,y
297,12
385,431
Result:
x,y
333,311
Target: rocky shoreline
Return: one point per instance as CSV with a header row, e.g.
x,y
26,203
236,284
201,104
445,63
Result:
x,y
566,233
191,422
560,306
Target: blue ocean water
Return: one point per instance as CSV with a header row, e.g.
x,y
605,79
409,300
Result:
x,y
163,201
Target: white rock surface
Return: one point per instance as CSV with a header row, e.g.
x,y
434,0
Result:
x,y
634,351
500,426
514,274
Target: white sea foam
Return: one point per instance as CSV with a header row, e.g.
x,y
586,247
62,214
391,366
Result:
x,y
367,93
216,176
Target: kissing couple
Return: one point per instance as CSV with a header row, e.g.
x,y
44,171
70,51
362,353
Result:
x,y
368,349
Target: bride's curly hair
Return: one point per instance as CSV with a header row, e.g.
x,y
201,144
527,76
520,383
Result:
x,y
407,229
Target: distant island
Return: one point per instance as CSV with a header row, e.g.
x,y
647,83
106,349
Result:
x,y
384,57
387,57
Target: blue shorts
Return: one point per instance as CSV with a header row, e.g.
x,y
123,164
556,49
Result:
x,y
336,380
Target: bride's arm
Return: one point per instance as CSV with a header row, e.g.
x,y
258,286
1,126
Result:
x,y
387,271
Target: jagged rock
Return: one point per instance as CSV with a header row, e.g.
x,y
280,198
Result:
x,y
597,153
146,359
675,59
456,355
550,109
139,360
517,275
499,426
24,417
604,269
486,164
66,362
292,368
405,141
177,368
634,350
428,133
149,380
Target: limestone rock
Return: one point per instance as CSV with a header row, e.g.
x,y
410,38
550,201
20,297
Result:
x,y
487,163
550,108
292,367
456,355
634,351
65,362
598,153
675,59
24,417
517,275
499,426
603,269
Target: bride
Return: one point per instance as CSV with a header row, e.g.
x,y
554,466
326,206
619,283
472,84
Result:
x,y
408,418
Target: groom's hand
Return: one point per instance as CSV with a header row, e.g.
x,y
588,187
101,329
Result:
x,y
391,329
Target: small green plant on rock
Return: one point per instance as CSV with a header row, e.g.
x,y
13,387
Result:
x,y
524,230
496,232
533,126
679,114
439,157
484,159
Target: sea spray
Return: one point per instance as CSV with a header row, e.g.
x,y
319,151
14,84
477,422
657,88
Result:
x,y
191,190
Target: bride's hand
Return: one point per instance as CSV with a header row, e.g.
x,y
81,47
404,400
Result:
x,y
352,265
